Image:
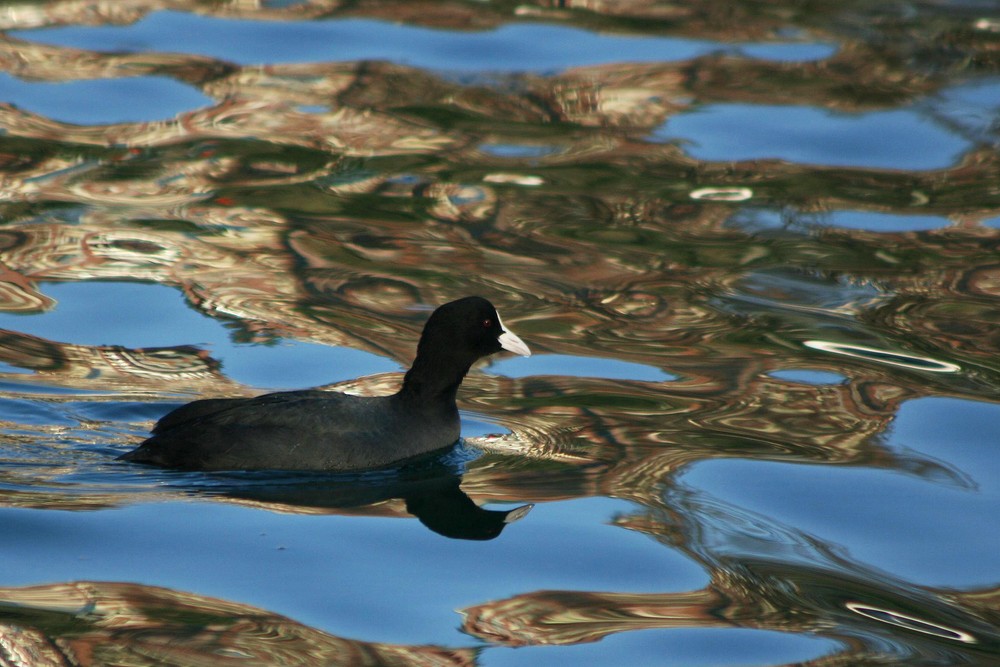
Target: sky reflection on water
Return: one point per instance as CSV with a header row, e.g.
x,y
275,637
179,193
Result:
x,y
140,315
511,48
128,100
902,139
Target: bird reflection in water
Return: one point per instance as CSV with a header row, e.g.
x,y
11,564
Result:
x,y
430,489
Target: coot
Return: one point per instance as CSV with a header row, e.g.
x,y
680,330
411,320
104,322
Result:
x,y
323,430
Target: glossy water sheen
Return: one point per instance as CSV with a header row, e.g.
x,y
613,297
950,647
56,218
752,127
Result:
x,y
754,251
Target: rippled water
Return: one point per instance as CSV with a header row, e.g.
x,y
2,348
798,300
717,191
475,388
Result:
x,y
754,247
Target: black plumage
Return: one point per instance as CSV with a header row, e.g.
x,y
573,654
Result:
x,y
322,430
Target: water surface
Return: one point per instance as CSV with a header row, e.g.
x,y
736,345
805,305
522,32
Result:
x,y
754,252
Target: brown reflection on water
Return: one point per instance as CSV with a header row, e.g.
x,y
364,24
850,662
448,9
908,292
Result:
x,y
107,623
112,368
947,626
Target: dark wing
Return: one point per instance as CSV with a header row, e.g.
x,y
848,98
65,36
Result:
x,y
194,411
216,408
203,434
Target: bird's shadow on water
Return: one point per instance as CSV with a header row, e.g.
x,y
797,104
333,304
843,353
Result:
x,y
429,486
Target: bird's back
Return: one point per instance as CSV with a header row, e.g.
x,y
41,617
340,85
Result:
x,y
297,430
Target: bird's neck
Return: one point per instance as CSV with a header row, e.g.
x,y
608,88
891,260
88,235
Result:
x,y
433,381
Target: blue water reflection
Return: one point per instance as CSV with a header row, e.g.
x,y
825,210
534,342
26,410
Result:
x,y
685,648
522,47
128,100
885,222
925,527
339,587
138,315
897,139
571,366
518,151
809,377
970,108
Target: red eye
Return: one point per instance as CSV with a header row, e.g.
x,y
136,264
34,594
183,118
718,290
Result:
x,y
487,323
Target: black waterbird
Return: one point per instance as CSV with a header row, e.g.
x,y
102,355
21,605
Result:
x,y
324,430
